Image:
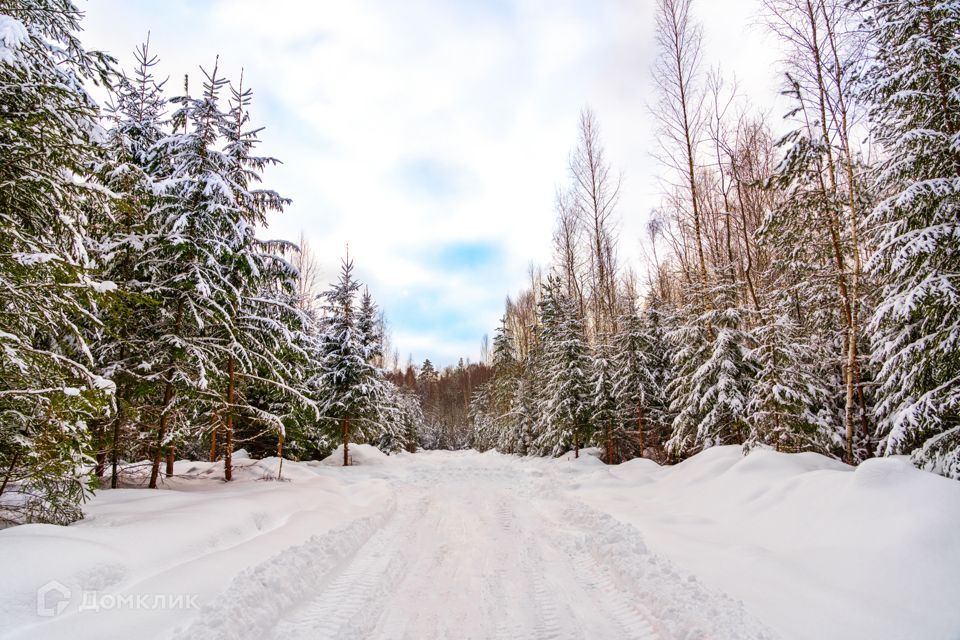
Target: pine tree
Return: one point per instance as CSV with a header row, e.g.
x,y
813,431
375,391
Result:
x,y
48,130
914,92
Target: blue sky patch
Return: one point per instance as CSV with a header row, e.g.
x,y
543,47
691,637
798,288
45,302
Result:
x,y
433,177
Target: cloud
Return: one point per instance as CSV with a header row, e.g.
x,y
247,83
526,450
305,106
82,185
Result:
x,y
430,135
434,178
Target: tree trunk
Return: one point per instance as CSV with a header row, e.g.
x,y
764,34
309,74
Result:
x,y
850,371
117,425
161,434
228,427
213,436
6,478
99,435
609,444
280,455
640,430
171,456
168,393
346,442
853,366
576,445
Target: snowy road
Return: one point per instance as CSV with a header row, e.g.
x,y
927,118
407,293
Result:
x,y
478,546
469,559
443,545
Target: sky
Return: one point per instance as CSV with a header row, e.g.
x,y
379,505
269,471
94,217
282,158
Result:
x,y
430,136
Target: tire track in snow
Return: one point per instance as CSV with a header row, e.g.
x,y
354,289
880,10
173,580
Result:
x,y
481,552
341,607
589,604
259,596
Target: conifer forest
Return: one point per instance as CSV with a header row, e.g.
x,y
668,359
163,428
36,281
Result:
x,y
732,414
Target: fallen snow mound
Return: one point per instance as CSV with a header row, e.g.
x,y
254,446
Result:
x,y
588,456
360,455
867,552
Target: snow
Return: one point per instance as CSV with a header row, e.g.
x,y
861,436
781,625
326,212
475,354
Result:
x,y
31,259
359,454
483,545
811,546
12,35
104,286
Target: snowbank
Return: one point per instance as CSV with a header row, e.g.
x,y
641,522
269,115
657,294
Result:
x,y
360,455
188,540
814,548
588,456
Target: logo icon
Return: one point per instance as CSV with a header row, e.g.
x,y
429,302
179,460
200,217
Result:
x,y
52,599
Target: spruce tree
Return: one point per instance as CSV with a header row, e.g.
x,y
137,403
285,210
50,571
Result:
x,y
657,360
914,92
566,369
48,131
349,383
207,269
632,377
710,390
131,169
789,406
604,410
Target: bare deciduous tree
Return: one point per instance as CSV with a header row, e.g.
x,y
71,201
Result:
x,y
593,197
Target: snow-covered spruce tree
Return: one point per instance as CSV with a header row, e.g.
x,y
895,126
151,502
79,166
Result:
x,y
632,378
523,414
130,169
47,131
566,372
657,358
194,227
428,387
265,348
400,420
506,371
806,231
207,270
604,411
914,91
350,385
789,406
369,327
481,417
710,390
391,420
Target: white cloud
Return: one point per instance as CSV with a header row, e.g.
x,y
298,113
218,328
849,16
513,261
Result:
x,y
484,94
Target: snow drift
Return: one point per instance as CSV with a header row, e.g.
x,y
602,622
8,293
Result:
x,y
721,546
